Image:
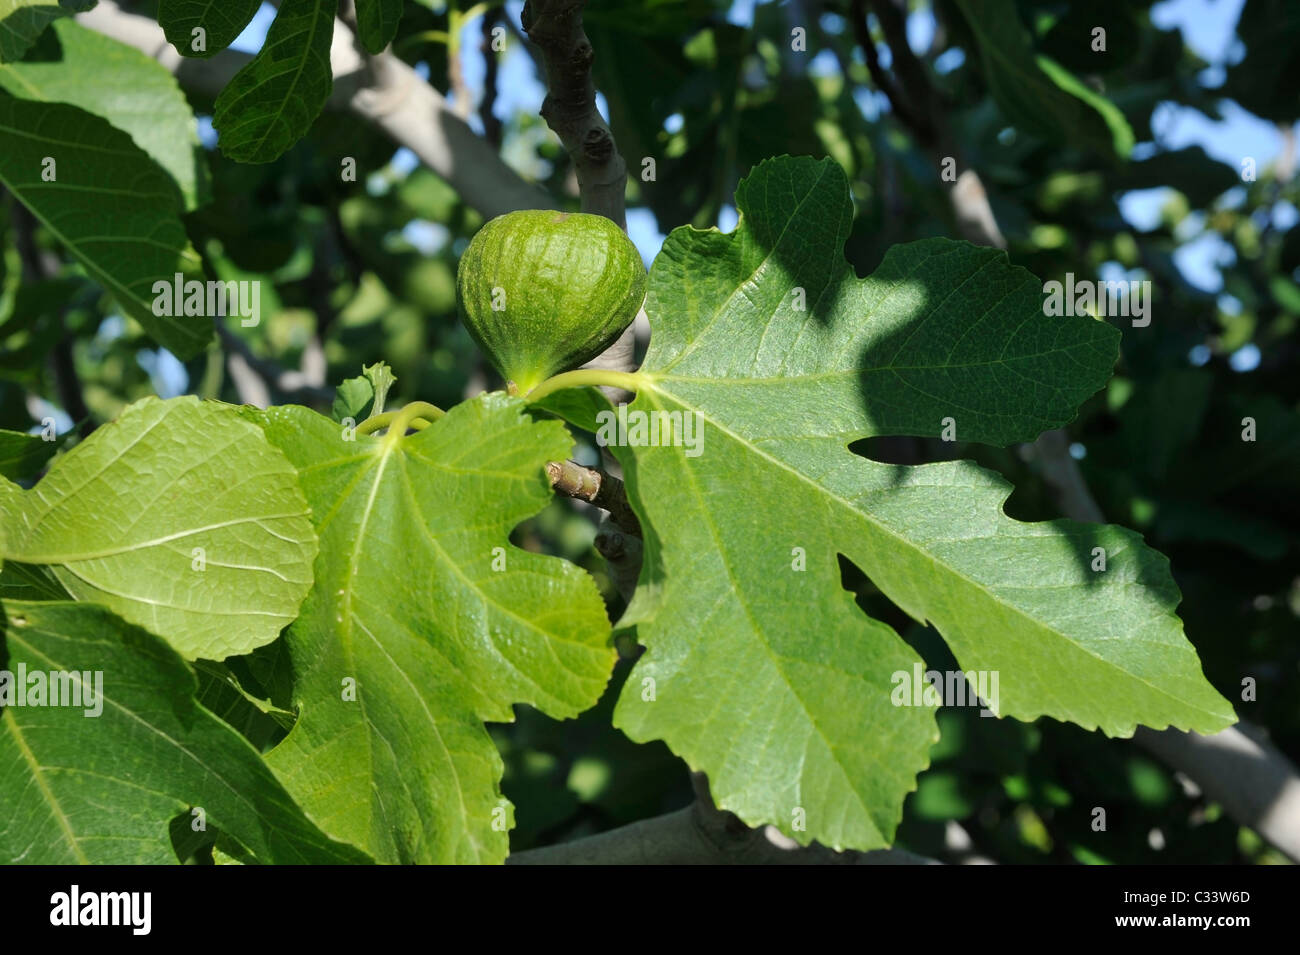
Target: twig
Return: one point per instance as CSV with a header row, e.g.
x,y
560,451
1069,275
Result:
x,y
595,487
883,81
487,106
701,835
555,26
462,100
38,264
290,384
923,111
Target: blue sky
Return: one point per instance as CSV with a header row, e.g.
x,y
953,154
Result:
x,y
1206,25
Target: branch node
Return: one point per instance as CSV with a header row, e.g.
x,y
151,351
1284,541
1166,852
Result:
x,y
598,144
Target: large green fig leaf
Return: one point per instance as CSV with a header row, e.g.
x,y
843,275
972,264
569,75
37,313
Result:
x,y
424,622
99,782
1035,92
763,673
179,516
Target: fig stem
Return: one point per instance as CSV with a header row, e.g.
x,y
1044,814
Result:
x,y
627,380
418,415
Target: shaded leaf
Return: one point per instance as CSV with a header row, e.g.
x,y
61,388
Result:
x,y
134,92
131,237
156,754
220,20
1191,171
1036,93
22,21
23,455
1266,79
377,22
271,103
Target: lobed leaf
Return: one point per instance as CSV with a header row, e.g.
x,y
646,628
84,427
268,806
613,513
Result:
x,y
424,609
134,92
766,676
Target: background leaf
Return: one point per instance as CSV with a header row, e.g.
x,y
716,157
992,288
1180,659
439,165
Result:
x,y
131,237
22,455
1036,93
271,103
134,92
221,20
21,22
377,22
352,397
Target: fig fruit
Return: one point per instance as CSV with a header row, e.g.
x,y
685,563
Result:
x,y
542,292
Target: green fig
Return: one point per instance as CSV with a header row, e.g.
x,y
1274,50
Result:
x,y
542,292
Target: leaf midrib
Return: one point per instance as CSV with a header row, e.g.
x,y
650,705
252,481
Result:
x,y
912,547
47,794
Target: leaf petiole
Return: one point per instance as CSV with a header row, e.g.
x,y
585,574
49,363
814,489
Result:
x,y
418,415
627,380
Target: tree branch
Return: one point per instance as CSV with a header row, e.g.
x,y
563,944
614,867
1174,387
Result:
x,y
884,82
595,487
701,835
555,26
486,106
923,112
289,384
387,93
618,536
1253,780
